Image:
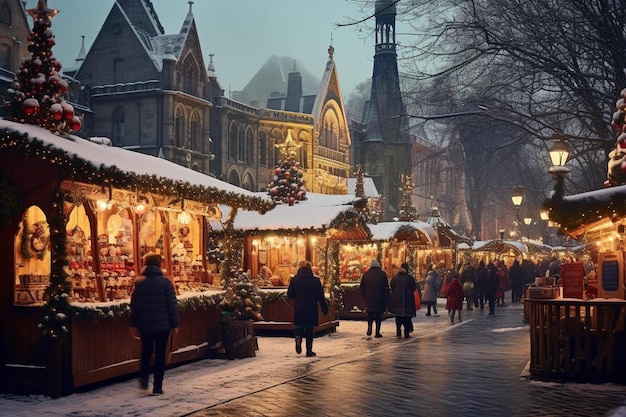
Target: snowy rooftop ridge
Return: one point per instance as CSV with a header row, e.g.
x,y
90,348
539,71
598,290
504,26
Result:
x,y
138,166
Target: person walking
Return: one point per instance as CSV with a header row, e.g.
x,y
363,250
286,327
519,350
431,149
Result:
x,y
454,301
402,300
306,291
517,276
374,289
491,287
468,279
153,316
431,289
479,285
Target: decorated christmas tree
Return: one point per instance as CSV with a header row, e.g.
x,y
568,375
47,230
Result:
x,y
408,212
38,88
288,184
241,300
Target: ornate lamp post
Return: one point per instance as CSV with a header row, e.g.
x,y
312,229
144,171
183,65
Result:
x,y
559,152
518,198
528,221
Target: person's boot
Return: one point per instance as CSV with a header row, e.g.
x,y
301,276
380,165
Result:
x,y
398,331
378,330
298,344
309,346
407,333
369,329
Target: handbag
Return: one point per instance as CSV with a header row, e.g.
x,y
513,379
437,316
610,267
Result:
x,y
418,300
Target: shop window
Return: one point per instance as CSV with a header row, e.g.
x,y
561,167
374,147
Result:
x,y
186,258
117,120
5,15
32,258
115,253
6,60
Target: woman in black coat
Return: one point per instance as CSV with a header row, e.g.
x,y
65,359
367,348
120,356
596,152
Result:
x,y
374,289
305,289
402,300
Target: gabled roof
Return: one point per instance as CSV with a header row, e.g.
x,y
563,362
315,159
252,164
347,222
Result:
x,y
420,232
91,162
317,212
369,187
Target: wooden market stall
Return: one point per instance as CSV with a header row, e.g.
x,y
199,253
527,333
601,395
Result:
x,y
576,332
77,217
273,244
393,243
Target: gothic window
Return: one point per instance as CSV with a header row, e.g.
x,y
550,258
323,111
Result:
x,y
117,119
180,138
232,142
195,133
190,76
5,15
263,149
118,70
249,147
241,145
5,56
329,135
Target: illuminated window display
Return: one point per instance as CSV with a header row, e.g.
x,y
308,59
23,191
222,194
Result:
x,y
32,258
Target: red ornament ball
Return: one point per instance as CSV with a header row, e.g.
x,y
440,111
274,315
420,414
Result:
x,y
75,124
30,106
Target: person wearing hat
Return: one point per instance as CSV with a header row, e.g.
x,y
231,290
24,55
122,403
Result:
x,y
402,300
374,289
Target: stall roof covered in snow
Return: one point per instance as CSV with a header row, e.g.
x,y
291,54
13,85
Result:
x,y
369,188
317,212
127,169
390,230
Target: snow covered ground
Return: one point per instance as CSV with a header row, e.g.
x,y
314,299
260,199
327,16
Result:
x,y
201,384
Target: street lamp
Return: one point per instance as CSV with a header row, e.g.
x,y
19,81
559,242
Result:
x,y
518,198
528,221
559,152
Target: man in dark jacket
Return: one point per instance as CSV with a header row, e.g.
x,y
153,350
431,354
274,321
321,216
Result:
x,y
517,276
374,289
153,314
306,291
402,300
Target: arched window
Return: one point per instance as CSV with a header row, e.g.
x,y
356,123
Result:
x,y
194,129
118,70
6,60
5,15
249,147
233,178
329,135
190,75
232,142
117,128
263,149
241,156
180,138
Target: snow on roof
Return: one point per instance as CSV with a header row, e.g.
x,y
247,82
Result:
x,y
387,230
314,213
138,164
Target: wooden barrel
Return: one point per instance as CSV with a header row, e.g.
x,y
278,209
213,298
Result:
x,y
238,338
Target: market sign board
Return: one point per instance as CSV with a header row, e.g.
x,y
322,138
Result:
x,y
572,276
611,270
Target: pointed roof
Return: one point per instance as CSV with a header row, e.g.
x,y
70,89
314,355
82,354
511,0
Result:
x,y
271,81
328,88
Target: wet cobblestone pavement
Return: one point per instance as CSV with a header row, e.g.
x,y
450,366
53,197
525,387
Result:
x,y
476,368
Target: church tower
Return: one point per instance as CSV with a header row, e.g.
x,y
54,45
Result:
x,y
384,148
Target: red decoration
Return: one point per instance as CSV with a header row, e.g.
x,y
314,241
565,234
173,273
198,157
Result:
x,y
30,106
75,123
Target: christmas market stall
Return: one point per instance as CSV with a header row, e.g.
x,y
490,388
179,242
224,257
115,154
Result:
x,y
274,242
77,217
392,243
446,253
576,333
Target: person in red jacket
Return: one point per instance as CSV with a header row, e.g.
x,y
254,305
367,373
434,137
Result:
x,y
454,301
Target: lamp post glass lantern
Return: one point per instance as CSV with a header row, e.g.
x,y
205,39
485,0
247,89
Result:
x,y
517,198
528,221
